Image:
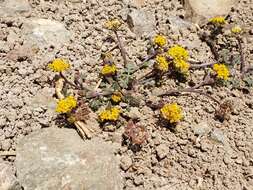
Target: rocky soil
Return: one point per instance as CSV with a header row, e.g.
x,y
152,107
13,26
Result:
x,y
202,153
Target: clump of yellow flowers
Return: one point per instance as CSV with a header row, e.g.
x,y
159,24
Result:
x,y
59,65
236,30
113,24
111,114
161,63
66,105
109,69
222,71
178,52
182,65
219,20
160,40
171,112
116,97
180,56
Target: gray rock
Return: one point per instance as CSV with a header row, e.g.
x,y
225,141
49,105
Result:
x,y
44,33
8,181
57,159
162,151
141,22
6,144
134,113
218,136
125,163
201,129
13,7
200,10
176,23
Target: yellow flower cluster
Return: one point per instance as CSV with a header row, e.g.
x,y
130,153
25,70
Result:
x,y
172,112
178,52
66,105
116,97
180,56
161,63
113,24
108,70
236,30
111,114
59,65
219,20
160,40
182,65
222,71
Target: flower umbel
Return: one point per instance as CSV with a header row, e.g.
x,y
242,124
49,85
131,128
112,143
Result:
x,y
160,40
219,20
222,71
113,24
181,65
236,30
109,69
66,105
172,112
111,114
59,65
161,63
116,97
178,52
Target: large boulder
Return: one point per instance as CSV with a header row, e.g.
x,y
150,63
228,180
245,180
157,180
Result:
x,y
57,159
45,33
13,7
141,22
8,181
200,10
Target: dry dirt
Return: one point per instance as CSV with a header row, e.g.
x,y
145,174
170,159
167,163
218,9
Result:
x,y
221,158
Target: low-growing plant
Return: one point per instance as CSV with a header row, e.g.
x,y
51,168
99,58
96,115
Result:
x,y
119,85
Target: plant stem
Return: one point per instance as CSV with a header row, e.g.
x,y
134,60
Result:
x,y
198,66
121,47
140,66
195,89
243,68
69,82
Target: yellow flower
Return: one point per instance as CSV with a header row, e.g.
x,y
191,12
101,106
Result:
x,y
221,70
236,30
160,40
217,20
113,24
161,63
178,52
59,65
116,97
111,114
181,65
66,105
109,69
172,112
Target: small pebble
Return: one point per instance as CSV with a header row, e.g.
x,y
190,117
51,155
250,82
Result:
x,y
125,163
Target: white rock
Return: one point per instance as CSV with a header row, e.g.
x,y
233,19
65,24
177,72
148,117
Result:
x,y
45,32
200,10
218,136
12,7
8,180
201,128
162,151
141,22
56,159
